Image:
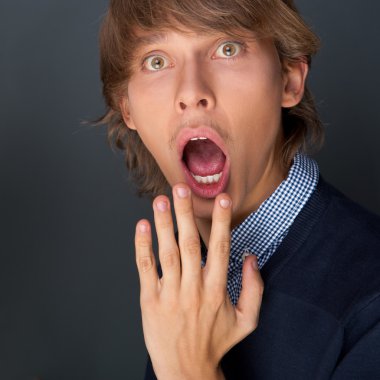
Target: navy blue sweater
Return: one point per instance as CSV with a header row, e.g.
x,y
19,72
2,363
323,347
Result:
x,y
320,316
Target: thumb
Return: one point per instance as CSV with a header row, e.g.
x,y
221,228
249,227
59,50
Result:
x,y
251,293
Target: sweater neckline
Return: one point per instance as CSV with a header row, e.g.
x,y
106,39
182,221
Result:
x,y
301,228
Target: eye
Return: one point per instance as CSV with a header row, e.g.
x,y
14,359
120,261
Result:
x,y
229,49
155,63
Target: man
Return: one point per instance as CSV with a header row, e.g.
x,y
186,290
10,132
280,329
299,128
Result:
x,y
209,98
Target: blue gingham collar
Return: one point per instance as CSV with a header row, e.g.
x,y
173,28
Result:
x,y
262,231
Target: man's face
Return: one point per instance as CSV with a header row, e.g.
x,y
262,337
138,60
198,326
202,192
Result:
x,y
191,86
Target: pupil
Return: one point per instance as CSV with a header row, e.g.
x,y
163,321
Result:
x,y
228,50
157,63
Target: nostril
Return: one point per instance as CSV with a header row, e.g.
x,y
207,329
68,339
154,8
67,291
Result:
x,y
203,102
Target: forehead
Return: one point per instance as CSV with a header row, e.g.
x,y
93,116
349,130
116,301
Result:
x,y
144,38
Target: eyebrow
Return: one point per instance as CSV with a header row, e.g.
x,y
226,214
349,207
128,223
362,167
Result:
x,y
150,39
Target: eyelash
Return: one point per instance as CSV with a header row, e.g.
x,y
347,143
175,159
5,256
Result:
x,y
242,48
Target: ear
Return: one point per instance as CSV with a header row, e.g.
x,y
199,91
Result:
x,y
124,108
294,76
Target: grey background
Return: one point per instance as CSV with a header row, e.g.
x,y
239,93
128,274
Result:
x,y
69,298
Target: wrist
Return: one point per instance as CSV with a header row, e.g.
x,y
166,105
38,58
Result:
x,y
195,374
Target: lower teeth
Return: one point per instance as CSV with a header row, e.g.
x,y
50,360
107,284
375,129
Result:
x,y
208,179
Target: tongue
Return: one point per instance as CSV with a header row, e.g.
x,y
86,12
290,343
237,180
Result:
x,y
203,157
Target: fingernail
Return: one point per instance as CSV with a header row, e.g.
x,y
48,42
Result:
x,y
182,192
225,203
162,206
245,255
143,228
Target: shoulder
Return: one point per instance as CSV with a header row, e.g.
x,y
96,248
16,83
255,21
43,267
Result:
x,y
344,221
350,214
336,262
353,250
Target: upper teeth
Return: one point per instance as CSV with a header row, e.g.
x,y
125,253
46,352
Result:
x,y
208,179
198,138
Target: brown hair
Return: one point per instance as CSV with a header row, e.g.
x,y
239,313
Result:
x,y
278,19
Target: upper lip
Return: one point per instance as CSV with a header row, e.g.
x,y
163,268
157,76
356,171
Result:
x,y
200,131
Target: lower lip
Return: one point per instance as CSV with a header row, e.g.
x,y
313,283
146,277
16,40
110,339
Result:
x,y
210,190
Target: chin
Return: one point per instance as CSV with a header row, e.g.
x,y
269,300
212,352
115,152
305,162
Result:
x,y
203,207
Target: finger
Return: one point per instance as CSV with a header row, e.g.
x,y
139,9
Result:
x,y
145,260
251,294
219,245
188,236
168,248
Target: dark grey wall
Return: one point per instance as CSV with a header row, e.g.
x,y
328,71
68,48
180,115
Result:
x,y
69,305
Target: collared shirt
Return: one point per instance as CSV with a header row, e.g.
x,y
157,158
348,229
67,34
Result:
x,y
263,231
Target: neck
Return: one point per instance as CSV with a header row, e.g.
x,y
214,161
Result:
x,y
269,182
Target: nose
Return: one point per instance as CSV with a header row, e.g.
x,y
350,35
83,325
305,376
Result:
x,y
194,91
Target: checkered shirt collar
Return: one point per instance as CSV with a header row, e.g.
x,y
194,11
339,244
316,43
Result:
x,y
264,229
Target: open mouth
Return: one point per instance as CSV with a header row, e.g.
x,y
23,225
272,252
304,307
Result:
x,y
206,166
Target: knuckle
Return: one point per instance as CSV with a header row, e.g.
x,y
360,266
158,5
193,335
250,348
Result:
x,y
145,263
169,259
224,248
191,246
185,209
184,214
222,218
143,243
221,221
216,300
191,303
164,224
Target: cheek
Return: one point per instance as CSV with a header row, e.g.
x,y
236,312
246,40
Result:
x,y
151,94
150,113
251,88
253,107
146,101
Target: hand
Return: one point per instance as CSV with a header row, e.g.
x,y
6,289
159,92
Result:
x,y
189,322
